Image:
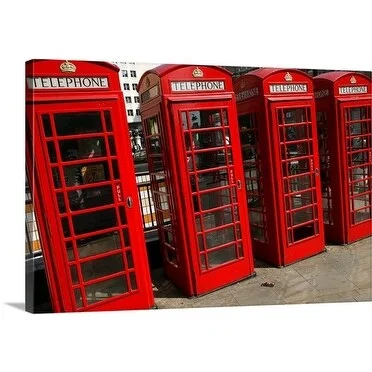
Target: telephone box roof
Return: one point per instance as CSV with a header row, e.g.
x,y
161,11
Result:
x,y
335,75
109,65
263,73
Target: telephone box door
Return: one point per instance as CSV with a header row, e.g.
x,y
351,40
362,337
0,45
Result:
x,y
298,166
212,174
91,206
357,152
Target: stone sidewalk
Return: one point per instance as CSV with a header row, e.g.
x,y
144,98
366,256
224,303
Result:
x,y
340,274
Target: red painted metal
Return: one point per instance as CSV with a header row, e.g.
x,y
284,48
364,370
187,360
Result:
x,y
343,104
192,140
276,112
84,187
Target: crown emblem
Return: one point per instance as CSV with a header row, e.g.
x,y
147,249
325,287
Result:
x,y
197,73
242,84
352,80
147,82
288,77
67,67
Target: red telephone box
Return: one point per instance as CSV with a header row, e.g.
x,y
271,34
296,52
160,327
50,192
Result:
x,y
343,105
192,139
276,112
83,183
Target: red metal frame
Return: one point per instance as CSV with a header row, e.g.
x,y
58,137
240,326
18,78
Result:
x,y
343,104
196,186
91,228
276,108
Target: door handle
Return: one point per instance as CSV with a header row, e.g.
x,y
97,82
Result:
x,y
129,202
316,171
239,184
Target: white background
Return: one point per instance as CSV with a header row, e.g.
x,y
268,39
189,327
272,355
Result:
x,y
315,34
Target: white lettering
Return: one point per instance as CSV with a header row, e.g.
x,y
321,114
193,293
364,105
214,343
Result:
x,y
67,82
321,93
288,88
247,94
353,90
190,86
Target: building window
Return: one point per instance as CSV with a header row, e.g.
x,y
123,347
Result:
x,y
134,86
130,112
136,99
126,86
124,73
138,112
133,73
128,99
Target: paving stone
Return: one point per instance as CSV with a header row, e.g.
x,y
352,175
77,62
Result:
x,y
364,294
348,296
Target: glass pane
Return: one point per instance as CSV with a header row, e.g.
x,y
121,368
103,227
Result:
x,y
258,233
108,121
82,174
217,218
47,125
65,227
294,116
298,183
52,152
240,250
296,133
74,275
70,252
303,232
102,267
90,222
115,169
90,197
61,202
299,200
295,167
302,216
130,259
126,237
152,126
221,256
359,158
201,242
78,298
210,159
256,218
215,199
203,262
133,282
112,145
294,151
78,123
123,216
219,237
106,289
361,201
208,139
154,145
210,180
168,237
158,164
363,215
171,256
363,185
56,178
82,148
97,244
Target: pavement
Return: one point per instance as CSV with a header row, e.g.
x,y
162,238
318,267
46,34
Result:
x,y
340,274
